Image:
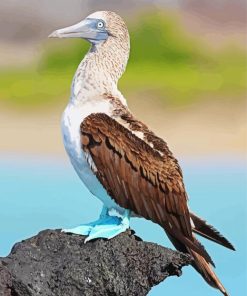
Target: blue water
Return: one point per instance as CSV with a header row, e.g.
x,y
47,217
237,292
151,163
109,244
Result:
x,y
39,193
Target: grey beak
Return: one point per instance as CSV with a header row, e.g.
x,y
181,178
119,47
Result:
x,y
86,29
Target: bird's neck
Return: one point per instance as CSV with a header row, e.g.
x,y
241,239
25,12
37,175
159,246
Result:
x,y
99,72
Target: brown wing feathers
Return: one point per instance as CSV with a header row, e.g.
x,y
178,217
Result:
x,y
138,177
149,182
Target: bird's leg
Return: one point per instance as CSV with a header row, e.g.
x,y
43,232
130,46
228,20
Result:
x,y
111,227
106,226
84,229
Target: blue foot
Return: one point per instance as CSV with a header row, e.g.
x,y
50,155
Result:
x,y
105,227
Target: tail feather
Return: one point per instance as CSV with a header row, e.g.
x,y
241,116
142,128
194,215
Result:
x,y
190,243
204,268
209,232
200,263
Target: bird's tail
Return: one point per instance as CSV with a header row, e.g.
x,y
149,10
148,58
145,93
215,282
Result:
x,y
201,263
202,228
206,271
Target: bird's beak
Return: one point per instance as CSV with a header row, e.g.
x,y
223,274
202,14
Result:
x,y
85,29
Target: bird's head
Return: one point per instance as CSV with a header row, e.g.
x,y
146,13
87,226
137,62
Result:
x,y
109,54
97,28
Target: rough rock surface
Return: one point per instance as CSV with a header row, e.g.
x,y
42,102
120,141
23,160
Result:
x,y
55,263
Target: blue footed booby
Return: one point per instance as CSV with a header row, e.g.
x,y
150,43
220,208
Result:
x,y
119,159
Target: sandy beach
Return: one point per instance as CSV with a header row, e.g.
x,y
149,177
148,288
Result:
x,y
215,127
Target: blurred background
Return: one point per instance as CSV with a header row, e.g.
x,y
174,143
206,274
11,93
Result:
x,y
186,79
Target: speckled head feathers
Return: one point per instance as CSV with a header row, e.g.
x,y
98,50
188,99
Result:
x,y
101,68
106,61
115,25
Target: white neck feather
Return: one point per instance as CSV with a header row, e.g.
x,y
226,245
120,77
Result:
x,y
99,72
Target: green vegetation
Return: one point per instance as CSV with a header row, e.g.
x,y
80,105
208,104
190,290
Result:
x,y
164,61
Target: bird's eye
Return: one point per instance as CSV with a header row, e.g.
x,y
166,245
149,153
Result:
x,y
100,25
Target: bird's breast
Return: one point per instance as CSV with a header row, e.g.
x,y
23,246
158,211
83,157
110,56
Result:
x,y
70,124
73,116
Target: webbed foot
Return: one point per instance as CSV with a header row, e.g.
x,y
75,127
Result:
x,y
105,227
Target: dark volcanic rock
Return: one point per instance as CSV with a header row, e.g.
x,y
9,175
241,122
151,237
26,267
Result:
x,y
55,263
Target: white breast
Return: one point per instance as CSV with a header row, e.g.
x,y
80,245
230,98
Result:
x,y
72,118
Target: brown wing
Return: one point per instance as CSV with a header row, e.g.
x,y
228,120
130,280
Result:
x,y
138,177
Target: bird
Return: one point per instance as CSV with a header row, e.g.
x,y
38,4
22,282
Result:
x,y
118,158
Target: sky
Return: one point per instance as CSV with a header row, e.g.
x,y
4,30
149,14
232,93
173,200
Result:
x,y
27,20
